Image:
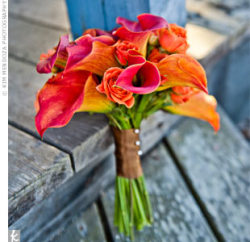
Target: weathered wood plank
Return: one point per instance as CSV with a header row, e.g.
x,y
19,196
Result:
x,y
51,13
29,46
85,226
219,169
87,137
176,215
35,170
69,200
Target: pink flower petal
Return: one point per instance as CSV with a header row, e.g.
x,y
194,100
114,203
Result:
x,y
46,65
145,71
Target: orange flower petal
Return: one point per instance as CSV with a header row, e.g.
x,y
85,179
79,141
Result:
x,y
182,70
139,39
199,105
99,60
59,99
94,101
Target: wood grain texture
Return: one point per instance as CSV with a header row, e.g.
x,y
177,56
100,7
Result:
x,y
87,137
84,16
85,226
219,169
46,12
173,11
35,170
68,201
176,215
28,40
127,9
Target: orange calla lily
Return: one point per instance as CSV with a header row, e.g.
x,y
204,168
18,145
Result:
x,y
182,70
99,60
94,101
196,104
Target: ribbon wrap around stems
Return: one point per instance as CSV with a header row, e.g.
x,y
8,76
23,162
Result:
x,y
127,150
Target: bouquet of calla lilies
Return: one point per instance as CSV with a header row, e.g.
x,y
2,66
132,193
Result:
x,y
128,73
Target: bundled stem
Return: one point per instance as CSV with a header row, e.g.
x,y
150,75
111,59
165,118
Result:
x,y
132,205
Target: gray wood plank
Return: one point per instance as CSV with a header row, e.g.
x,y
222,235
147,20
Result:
x,y
68,201
86,226
219,169
52,13
176,215
35,170
87,137
28,40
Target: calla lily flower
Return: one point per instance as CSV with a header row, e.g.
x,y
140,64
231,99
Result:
x,y
173,39
59,99
93,100
138,32
196,104
140,76
182,70
55,59
100,58
82,47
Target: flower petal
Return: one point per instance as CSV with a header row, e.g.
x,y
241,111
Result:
x,y
199,105
173,39
146,22
82,47
94,101
138,32
101,58
140,39
146,72
59,99
182,70
55,58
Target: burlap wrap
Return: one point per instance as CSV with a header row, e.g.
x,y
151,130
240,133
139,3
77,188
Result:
x,y
126,151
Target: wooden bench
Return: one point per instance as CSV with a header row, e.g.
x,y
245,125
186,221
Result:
x,y
55,184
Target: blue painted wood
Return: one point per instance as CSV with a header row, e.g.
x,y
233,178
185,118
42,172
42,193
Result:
x,y
84,14
102,14
127,9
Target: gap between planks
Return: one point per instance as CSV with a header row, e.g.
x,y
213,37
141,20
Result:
x,y
31,133
193,191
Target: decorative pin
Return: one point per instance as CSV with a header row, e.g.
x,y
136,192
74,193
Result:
x,y
137,131
139,152
137,142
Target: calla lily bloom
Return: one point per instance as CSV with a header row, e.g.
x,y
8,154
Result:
x,y
93,100
173,39
101,57
59,99
139,32
182,70
82,47
194,103
140,76
55,59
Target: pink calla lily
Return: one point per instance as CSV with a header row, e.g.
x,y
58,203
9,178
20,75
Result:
x,y
139,32
82,47
140,76
55,59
